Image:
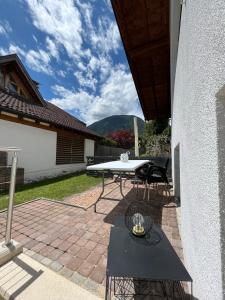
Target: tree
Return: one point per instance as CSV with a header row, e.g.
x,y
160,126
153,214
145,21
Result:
x,y
157,145
124,138
156,137
108,142
155,127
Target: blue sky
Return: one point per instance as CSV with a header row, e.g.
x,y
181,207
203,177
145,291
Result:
x,y
74,50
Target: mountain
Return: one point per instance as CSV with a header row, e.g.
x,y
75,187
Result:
x,y
115,123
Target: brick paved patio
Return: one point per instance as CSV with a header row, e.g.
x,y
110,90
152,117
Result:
x,y
73,241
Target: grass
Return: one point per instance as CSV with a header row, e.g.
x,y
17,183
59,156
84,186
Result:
x,y
55,188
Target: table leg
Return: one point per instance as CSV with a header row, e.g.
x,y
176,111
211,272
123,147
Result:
x,y
191,296
121,186
103,189
173,290
107,288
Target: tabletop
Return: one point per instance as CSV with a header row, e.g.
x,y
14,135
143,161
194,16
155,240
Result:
x,y
118,165
134,257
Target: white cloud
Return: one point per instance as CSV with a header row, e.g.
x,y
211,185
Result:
x,y
86,79
61,20
3,51
16,49
39,61
34,38
107,37
61,73
71,24
5,28
52,48
12,49
117,96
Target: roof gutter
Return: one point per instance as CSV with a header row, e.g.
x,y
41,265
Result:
x,y
20,115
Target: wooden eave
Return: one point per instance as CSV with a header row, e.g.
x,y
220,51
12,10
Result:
x,y
13,62
144,29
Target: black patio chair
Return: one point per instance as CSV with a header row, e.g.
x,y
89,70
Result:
x,y
156,175
141,176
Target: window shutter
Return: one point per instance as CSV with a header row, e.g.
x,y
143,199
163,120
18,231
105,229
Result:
x,y
70,148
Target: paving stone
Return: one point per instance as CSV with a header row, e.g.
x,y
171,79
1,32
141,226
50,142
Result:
x,y
81,242
42,237
74,263
85,268
28,252
98,274
31,244
56,243
46,250
56,266
38,247
73,250
83,253
66,272
38,257
73,238
101,249
91,286
94,257
55,254
64,245
78,279
87,235
90,245
46,261
64,259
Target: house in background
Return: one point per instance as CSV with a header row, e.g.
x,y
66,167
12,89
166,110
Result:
x,y
52,141
176,52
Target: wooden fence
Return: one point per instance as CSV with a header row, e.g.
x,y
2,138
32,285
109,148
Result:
x,y
102,150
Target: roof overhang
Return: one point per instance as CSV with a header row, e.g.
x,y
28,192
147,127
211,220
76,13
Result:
x,y
13,59
144,28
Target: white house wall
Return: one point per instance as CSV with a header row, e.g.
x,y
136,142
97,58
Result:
x,y
38,155
198,127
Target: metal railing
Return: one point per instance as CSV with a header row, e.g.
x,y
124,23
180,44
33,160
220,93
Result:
x,y
8,233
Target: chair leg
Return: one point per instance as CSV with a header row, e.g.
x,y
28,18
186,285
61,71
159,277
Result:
x,y
168,190
144,195
136,189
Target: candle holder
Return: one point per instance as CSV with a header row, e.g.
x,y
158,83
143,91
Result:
x,y
137,218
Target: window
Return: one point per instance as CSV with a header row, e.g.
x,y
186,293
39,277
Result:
x,y
22,93
70,148
1,79
12,87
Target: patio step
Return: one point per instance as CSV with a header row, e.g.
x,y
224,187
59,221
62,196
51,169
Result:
x,y
24,279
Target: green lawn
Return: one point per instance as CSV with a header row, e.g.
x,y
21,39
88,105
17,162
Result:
x,y
56,188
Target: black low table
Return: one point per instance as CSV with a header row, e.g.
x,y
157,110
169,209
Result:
x,y
137,266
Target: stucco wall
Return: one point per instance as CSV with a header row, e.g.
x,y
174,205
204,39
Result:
x,y
89,148
38,155
198,126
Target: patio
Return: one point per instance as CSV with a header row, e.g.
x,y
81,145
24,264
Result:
x,y
73,241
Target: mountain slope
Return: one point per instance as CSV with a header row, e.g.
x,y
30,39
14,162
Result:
x,y
115,123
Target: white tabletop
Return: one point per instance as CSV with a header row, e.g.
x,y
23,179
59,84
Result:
x,y
118,165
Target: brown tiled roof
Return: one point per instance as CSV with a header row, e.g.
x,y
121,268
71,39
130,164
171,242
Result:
x,y
49,113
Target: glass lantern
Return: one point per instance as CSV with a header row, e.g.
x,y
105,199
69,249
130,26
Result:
x,y
137,218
